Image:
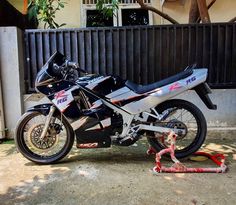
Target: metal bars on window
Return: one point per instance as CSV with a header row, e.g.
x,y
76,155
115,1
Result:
x,y
92,2
143,54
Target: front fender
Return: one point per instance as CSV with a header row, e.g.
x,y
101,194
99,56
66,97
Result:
x,y
42,108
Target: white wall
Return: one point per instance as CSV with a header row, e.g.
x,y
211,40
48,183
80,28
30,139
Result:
x,y
11,68
225,99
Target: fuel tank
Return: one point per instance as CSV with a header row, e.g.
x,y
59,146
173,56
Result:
x,y
101,85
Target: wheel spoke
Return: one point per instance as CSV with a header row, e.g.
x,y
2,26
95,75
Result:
x,y
53,142
186,117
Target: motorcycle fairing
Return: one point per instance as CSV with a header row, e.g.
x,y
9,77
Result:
x,y
62,99
92,131
107,97
158,95
143,102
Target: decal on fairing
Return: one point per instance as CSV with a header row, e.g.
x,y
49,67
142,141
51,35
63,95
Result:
x,y
175,86
62,99
129,99
87,145
96,104
190,80
93,83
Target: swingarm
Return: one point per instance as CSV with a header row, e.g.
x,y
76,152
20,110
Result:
x,y
155,128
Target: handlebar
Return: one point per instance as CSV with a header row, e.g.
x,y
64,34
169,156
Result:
x,y
66,67
75,66
72,64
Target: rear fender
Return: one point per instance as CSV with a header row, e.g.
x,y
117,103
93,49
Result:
x,y
203,90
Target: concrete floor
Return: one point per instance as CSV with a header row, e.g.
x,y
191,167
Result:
x,y
116,176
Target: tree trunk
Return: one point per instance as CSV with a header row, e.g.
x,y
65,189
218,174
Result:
x,y
232,20
193,12
208,7
153,9
211,4
203,10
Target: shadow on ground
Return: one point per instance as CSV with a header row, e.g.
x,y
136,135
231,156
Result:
x,y
116,175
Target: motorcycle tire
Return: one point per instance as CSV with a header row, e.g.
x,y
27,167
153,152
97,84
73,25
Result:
x,y
201,132
25,148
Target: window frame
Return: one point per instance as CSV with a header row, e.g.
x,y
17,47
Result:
x,y
117,18
132,6
85,8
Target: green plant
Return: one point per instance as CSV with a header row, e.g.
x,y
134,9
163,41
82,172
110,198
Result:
x,y
44,11
107,7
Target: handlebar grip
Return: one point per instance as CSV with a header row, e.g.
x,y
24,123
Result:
x,y
73,64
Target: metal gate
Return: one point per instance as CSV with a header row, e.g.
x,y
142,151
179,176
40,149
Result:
x,y
143,54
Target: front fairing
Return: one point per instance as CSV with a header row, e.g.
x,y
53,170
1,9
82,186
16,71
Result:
x,y
47,74
47,80
43,77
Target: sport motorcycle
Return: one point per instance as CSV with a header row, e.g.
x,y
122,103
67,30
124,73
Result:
x,y
101,111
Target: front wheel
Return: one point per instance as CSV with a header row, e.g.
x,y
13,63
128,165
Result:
x,y
185,116
56,144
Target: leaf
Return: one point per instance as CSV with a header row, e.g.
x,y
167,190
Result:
x,y
57,25
31,13
45,11
62,24
107,8
109,13
61,4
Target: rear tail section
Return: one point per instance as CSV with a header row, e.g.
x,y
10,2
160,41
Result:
x,y
203,90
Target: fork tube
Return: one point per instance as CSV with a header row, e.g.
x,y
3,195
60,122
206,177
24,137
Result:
x,y
45,128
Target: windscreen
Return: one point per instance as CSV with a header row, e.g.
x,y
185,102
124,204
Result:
x,y
46,73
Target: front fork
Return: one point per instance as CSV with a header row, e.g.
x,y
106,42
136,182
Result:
x,y
47,123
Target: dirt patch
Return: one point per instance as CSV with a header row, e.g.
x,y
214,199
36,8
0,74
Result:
x,y
114,176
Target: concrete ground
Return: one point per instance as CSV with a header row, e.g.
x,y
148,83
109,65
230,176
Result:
x,y
116,176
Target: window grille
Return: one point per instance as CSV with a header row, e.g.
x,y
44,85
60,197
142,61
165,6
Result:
x,y
92,2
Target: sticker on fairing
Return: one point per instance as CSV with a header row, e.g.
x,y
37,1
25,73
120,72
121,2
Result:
x,y
175,86
62,99
190,80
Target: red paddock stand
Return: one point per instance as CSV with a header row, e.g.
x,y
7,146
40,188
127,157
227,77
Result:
x,y
178,167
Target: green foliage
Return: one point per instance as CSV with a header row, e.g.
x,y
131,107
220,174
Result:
x,y
44,11
107,7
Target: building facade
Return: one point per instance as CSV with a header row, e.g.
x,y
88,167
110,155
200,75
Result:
x,y
82,13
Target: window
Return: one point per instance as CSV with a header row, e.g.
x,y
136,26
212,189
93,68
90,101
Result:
x,y
132,17
128,14
96,19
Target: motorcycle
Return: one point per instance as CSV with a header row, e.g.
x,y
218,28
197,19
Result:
x,y
101,111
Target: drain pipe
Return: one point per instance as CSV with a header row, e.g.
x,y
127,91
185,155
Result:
x,y
2,118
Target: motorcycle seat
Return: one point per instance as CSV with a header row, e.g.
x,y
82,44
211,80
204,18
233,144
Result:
x,y
140,89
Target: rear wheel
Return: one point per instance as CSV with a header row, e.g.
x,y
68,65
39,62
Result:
x,y
183,116
56,144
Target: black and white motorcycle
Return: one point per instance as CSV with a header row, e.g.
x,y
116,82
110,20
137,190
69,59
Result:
x,y
104,111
